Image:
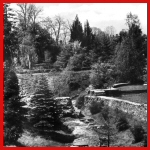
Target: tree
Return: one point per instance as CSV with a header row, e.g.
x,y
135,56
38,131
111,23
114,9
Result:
x,y
58,28
79,61
102,47
106,48
45,114
75,62
76,30
88,36
110,30
14,113
96,31
10,34
107,131
62,59
122,35
27,15
130,59
102,75
132,20
96,52
43,42
27,50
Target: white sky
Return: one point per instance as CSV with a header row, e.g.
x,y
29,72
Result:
x,y
99,15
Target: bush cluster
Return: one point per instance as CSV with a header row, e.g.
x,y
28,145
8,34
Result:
x,y
138,133
69,81
96,107
122,124
102,75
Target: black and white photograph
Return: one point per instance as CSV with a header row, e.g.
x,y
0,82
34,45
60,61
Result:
x,y
75,74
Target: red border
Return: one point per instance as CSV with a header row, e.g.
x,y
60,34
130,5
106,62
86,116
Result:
x,y
78,1
1,58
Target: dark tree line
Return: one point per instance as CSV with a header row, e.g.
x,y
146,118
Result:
x,y
34,43
31,42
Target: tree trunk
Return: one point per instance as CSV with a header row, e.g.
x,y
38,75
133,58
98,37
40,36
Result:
x,y
30,61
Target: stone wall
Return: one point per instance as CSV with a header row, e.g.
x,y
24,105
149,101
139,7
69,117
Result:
x,y
136,109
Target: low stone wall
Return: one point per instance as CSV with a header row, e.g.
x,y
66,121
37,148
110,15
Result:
x,y
136,109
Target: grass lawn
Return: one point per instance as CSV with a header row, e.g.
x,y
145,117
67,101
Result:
x,y
29,140
132,87
138,98
134,93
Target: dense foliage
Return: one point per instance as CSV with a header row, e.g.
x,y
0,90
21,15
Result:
x,y
96,107
76,30
138,133
10,35
14,113
131,52
70,81
122,123
102,75
45,114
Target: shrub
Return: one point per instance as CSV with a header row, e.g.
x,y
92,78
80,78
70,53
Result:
x,y
78,62
122,124
78,80
138,133
75,62
60,86
69,81
102,75
96,107
80,100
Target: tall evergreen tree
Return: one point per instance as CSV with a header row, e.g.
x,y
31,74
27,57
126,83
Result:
x,y
102,47
14,113
88,37
76,30
106,48
45,114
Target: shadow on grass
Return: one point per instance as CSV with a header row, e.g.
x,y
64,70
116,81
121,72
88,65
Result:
x,y
62,137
